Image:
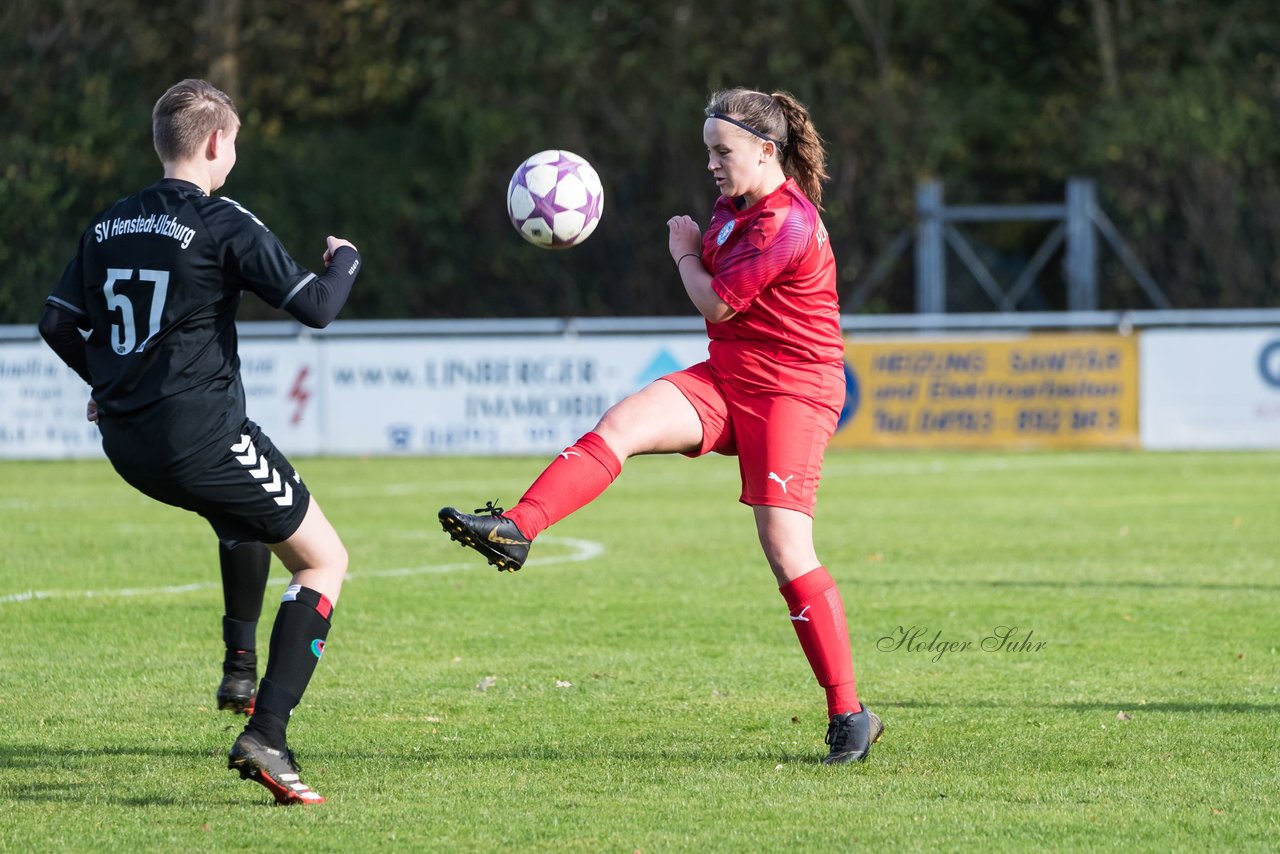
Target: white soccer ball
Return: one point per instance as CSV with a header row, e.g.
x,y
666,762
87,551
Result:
x,y
555,199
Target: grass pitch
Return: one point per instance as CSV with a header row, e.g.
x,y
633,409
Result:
x,y
637,686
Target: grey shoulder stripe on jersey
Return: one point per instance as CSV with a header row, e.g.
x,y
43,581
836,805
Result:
x,y
61,303
293,293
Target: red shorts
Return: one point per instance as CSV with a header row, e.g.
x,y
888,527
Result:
x,y
778,438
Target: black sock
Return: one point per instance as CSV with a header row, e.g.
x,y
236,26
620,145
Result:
x,y
297,640
245,569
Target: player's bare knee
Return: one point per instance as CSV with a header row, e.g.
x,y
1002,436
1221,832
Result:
x,y
613,429
340,560
789,559
333,563
612,423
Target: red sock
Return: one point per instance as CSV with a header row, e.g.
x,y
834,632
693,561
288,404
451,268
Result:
x,y
573,480
817,613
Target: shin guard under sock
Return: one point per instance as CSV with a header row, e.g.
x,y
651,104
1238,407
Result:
x,y
244,583
574,479
239,636
817,613
297,641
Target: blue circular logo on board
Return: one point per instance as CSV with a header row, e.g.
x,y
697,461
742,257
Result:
x,y
850,407
725,232
1269,364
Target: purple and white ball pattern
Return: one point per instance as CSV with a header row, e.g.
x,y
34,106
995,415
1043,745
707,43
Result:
x,y
555,199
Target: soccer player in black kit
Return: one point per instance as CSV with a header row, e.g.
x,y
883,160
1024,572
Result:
x,y
145,313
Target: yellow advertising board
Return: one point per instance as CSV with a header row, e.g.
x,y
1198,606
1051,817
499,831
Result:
x,y
1051,391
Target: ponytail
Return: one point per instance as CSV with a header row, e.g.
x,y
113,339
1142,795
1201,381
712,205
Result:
x,y
805,157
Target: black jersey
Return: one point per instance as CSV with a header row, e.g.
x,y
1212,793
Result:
x,y
157,282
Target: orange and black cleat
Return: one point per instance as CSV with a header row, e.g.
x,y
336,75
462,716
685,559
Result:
x,y
275,769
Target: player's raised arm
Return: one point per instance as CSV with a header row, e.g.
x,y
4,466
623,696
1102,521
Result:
x,y
684,241
318,299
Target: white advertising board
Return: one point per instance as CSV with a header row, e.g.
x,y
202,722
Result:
x,y
504,395
1209,389
42,406
42,401
508,395
282,391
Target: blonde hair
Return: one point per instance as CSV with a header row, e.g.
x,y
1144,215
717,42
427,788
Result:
x,y
186,114
780,118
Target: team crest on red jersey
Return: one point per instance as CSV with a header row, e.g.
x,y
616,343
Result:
x,y
725,232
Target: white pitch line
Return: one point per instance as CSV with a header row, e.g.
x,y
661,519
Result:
x,y
581,550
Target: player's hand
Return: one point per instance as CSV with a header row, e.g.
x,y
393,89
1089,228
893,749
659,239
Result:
x,y
91,411
332,244
684,237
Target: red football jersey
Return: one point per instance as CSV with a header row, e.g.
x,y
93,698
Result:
x,y
772,264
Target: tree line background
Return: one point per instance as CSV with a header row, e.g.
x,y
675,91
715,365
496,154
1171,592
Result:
x,y
398,124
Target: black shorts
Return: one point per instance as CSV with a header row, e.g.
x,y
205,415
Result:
x,y
244,486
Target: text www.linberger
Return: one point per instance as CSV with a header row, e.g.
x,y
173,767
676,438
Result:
x,y
1007,639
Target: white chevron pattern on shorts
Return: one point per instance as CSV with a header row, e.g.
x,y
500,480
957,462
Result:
x,y
247,455
261,472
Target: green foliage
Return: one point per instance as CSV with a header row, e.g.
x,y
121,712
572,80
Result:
x,y
691,721
399,124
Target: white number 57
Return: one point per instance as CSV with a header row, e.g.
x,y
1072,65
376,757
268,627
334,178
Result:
x,y
124,335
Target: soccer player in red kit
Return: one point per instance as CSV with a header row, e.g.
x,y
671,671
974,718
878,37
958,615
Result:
x,y
764,277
